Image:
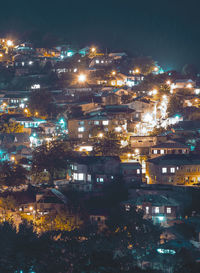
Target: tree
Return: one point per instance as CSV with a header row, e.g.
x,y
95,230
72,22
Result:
x,y
146,65
108,145
190,70
53,156
12,174
11,127
175,105
41,101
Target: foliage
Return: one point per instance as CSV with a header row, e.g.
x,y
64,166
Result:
x,y
190,70
8,203
175,105
108,145
42,102
51,157
157,131
11,127
126,98
145,64
12,174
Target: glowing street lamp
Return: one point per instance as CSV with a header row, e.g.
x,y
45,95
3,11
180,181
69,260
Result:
x,y
12,158
100,135
82,78
168,82
189,85
93,49
137,70
113,73
154,92
155,69
9,43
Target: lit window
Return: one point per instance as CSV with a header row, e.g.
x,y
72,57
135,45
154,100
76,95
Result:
x,y
156,209
147,210
169,210
97,61
75,176
101,180
81,129
105,122
172,170
138,171
127,207
162,152
80,176
164,170
80,135
155,152
96,122
89,177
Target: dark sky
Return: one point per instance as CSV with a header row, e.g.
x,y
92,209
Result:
x,y
167,30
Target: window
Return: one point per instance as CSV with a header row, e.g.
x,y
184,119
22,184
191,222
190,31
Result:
x,y
169,210
75,176
172,170
155,152
81,129
147,210
97,61
157,210
96,122
89,178
127,207
80,176
138,171
164,170
162,152
80,135
100,179
105,122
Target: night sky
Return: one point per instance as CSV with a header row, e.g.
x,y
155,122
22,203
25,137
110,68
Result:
x,y
169,30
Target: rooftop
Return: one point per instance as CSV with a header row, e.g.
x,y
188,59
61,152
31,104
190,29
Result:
x,y
176,159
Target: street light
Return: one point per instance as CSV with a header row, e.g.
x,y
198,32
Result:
x,y
137,70
168,82
113,73
100,135
93,49
9,43
82,78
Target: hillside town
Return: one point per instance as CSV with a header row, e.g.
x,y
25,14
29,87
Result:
x,y
89,134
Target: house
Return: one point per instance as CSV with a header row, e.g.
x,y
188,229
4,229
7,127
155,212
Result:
x,y
143,107
89,172
90,125
29,122
131,172
110,99
174,169
143,144
49,128
98,217
14,139
183,83
169,147
159,208
49,201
